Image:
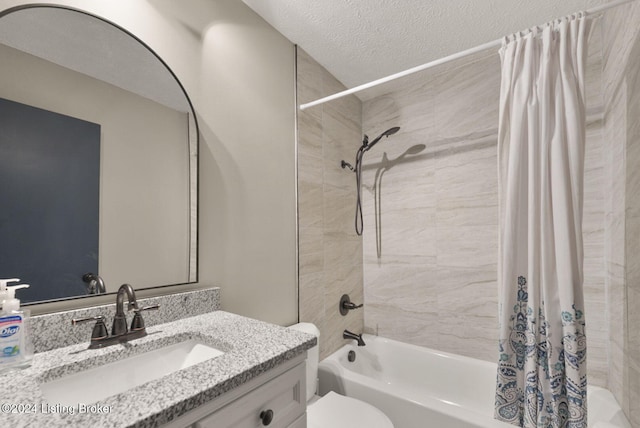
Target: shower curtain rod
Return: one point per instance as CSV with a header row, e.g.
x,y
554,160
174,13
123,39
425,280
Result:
x,y
458,55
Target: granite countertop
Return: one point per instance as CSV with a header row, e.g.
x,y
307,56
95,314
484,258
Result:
x,y
250,348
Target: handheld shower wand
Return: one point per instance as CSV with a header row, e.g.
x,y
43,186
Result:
x,y
386,133
366,146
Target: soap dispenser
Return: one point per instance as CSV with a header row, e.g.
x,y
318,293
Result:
x,y
16,349
3,288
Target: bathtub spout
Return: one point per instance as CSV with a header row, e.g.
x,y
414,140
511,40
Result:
x,y
348,335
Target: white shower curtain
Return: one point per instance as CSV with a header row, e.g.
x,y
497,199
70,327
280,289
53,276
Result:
x,y
542,362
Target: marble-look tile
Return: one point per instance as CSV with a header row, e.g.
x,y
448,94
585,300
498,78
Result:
x,y
309,137
597,332
616,377
593,221
311,296
328,245
633,314
593,229
413,246
467,187
398,190
407,289
413,112
334,152
597,371
620,31
310,250
310,240
425,78
341,249
417,329
467,246
633,135
380,113
615,165
338,209
345,279
341,279
340,127
615,136
593,72
348,109
595,304
617,305
310,167
310,204
468,334
468,291
634,396
399,216
632,240
633,227
467,99
308,81
594,166
335,325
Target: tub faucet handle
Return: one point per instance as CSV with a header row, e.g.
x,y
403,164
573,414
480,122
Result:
x,y
346,305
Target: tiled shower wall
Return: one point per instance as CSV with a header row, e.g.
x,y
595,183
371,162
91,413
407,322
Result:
x,y
431,211
430,207
621,90
330,253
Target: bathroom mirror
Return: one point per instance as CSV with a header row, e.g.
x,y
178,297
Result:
x,y
62,64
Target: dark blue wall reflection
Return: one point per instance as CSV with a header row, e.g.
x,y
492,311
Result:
x,y
49,200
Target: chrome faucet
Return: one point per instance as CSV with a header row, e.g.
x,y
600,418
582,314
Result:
x,y
349,335
119,331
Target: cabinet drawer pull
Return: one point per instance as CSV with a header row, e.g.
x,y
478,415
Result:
x,y
266,416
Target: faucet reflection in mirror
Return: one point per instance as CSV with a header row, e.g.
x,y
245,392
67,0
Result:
x,y
119,331
95,284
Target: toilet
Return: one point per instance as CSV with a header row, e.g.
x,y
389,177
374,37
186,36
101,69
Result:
x,y
335,410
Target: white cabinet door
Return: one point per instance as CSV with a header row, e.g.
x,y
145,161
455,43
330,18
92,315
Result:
x,y
276,404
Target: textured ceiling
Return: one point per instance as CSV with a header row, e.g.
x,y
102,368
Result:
x,y
362,40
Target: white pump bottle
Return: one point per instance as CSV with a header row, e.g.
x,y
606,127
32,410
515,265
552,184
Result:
x,y
10,303
3,288
16,349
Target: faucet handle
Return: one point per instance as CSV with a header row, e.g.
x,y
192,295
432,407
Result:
x,y
346,305
137,323
147,308
76,321
99,329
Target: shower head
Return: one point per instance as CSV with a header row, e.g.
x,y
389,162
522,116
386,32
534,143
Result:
x,y
386,133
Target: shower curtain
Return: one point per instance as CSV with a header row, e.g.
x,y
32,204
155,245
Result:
x,y
541,378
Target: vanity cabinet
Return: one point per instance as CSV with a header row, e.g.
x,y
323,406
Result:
x,y
276,399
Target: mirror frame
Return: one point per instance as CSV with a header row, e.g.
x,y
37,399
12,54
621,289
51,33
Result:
x,y
196,133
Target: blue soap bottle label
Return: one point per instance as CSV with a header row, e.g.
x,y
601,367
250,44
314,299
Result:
x,y
10,338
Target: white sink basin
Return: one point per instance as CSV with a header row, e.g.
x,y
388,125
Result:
x,y
114,378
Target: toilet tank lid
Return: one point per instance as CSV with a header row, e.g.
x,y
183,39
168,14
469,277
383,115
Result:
x,y
306,327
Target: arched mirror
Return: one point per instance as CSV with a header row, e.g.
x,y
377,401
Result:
x,y
98,158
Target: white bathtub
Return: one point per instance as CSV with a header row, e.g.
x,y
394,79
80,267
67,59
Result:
x,y
420,388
